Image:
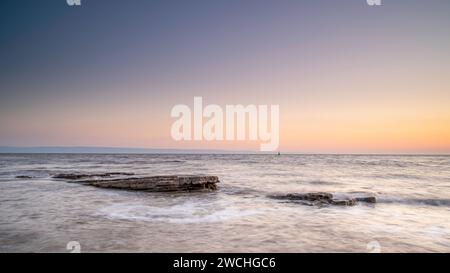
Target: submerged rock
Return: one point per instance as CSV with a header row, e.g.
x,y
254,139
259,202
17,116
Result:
x,y
344,202
24,177
324,198
367,199
78,176
160,183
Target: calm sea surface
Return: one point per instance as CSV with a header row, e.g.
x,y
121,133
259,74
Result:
x,y
42,214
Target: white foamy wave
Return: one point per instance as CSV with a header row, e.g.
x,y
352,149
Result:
x,y
435,202
187,212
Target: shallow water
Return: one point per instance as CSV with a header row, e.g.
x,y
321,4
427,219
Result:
x,y
42,214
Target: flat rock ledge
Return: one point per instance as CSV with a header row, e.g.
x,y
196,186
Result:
x,y
324,199
171,183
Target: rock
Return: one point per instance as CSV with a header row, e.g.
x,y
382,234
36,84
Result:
x,y
315,196
78,176
345,202
367,199
160,183
323,198
308,199
24,177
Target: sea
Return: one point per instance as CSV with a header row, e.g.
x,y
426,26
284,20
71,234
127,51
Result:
x,y
39,213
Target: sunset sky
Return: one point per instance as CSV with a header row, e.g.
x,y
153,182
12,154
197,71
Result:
x,y
349,78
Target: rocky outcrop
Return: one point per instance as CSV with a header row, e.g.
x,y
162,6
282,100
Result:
x,y
324,198
160,183
79,176
118,180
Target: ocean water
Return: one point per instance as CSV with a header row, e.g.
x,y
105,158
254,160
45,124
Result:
x,y
42,214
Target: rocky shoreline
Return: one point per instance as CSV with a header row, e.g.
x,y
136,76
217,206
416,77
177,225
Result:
x,y
188,183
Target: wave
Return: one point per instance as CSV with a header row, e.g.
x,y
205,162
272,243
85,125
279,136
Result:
x,y
398,176
322,182
437,202
184,213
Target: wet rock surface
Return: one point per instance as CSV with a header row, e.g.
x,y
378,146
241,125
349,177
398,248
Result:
x,y
169,183
325,199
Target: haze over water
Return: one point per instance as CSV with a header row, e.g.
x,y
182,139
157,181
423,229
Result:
x,y
42,214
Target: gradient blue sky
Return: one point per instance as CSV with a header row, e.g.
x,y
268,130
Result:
x,y
348,77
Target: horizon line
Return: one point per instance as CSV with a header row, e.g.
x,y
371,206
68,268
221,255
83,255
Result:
x,y
140,150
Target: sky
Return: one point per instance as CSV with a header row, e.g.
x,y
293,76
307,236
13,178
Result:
x,y
348,77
